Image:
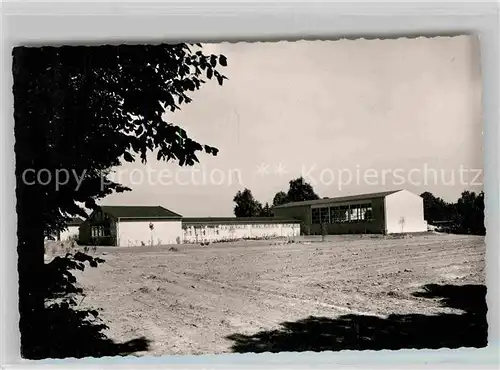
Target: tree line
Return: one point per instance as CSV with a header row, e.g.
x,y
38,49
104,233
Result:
x,y
465,216
248,206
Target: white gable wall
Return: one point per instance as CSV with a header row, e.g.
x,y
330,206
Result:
x,y
134,233
404,213
69,232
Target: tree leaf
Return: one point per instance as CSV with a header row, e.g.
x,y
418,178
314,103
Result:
x,y
128,157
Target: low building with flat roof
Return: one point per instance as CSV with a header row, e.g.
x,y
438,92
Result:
x,y
216,229
389,212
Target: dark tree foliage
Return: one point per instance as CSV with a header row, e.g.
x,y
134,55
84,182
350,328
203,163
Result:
x,y
266,211
64,329
470,213
246,204
280,198
80,111
436,209
300,190
97,106
466,215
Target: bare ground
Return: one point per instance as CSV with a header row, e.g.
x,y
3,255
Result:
x,y
189,300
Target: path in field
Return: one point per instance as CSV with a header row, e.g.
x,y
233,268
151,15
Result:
x,y
188,301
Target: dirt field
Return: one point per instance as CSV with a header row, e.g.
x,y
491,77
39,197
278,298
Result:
x,y
189,301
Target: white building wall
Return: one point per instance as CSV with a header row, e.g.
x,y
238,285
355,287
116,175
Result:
x,y
404,213
223,232
69,232
137,233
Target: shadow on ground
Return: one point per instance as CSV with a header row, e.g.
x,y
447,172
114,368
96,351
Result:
x,y
69,332
65,329
358,332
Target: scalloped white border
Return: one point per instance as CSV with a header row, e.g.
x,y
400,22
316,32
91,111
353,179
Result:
x,y
114,22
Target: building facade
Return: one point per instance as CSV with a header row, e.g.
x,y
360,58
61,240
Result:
x,y
391,212
128,226
218,229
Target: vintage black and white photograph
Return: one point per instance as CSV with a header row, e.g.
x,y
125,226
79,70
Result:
x,y
249,197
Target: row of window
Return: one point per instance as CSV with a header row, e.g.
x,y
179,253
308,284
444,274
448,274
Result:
x,y
247,226
99,231
203,231
341,214
190,232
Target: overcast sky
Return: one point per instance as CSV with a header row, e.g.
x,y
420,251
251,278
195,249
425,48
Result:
x,y
355,109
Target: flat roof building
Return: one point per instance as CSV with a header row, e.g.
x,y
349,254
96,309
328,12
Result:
x,y
389,212
214,229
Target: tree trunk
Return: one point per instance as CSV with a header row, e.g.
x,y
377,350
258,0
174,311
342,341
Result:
x,y
30,267
29,130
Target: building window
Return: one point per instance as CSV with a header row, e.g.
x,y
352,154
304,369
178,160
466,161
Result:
x,y
320,215
345,213
354,212
367,212
360,212
325,215
339,214
333,214
315,216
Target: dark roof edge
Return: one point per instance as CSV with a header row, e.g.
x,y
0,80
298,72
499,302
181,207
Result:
x,y
239,220
109,209
149,218
169,210
345,198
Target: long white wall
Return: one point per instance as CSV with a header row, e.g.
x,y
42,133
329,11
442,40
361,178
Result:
x,y
222,232
404,212
136,233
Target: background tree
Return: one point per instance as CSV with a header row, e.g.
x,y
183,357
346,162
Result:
x,y
84,110
470,213
246,204
266,211
466,215
436,209
299,190
280,198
